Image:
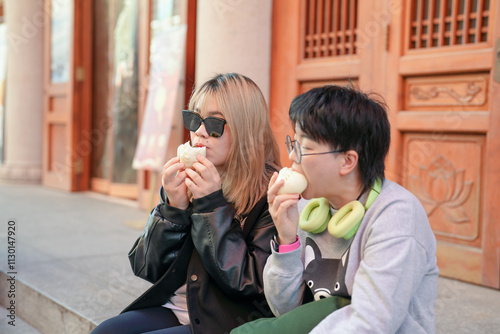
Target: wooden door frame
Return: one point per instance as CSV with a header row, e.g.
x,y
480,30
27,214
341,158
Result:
x,y
82,92
145,12
284,84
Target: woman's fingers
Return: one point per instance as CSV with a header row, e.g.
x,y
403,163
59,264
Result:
x,y
206,169
171,171
171,162
203,179
173,176
178,178
193,176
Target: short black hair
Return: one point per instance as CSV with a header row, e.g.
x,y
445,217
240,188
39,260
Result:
x,y
347,119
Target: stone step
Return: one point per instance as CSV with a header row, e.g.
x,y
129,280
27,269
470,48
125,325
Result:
x,y
20,326
42,312
72,270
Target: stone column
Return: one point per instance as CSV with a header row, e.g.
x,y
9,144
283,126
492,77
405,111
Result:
x,y
234,36
23,97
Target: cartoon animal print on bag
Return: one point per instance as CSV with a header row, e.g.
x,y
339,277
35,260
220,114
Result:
x,y
325,277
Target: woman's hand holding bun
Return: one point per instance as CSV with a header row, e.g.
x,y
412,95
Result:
x,y
174,174
172,179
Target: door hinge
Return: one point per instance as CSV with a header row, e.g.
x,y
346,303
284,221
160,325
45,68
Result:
x,y
79,74
79,166
387,33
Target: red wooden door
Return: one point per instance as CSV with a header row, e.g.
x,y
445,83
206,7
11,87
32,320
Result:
x,y
67,63
446,119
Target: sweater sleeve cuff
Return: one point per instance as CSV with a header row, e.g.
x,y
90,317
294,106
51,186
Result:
x,y
209,203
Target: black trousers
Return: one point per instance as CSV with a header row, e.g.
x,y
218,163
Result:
x,y
155,320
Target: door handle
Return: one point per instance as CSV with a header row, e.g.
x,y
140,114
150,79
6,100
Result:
x,y
496,74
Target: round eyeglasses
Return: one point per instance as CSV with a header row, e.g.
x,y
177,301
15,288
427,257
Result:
x,y
213,125
294,146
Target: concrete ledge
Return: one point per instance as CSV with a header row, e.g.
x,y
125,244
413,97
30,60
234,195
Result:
x,y
36,308
70,257
21,326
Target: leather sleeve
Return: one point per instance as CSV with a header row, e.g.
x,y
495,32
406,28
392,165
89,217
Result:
x,y
156,248
236,264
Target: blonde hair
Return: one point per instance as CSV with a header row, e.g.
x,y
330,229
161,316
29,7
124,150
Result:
x,y
254,152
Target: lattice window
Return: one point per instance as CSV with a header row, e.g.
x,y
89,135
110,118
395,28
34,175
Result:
x,y
439,23
330,28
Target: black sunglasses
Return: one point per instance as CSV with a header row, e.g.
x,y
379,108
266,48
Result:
x,y
213,125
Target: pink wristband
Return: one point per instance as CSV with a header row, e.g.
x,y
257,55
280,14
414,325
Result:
x,y
290,247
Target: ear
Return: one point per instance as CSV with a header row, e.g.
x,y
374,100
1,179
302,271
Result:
x,y
349,163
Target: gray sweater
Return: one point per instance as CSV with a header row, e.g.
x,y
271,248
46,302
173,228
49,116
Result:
x,y
390,270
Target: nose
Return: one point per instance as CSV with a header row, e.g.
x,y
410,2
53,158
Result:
x,y
293,156
202,131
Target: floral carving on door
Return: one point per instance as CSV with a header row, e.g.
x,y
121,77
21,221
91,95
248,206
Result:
x,y
441,186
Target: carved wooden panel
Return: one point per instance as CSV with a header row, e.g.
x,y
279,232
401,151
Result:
x,y
329,28
445,23
460,92
444,172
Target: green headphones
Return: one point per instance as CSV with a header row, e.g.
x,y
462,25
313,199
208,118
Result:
x,y
316,216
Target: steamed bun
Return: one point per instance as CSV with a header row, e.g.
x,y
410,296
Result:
x,y
188,153
295,183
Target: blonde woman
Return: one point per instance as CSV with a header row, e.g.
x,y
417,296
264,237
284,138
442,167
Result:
x,y
206,243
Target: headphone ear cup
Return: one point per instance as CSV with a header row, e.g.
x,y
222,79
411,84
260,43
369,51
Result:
x,y
345,222
315,215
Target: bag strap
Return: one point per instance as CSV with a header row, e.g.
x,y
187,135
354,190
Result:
x,y
254,214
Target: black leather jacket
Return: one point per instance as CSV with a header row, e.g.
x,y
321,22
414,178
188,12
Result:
x,y
205,247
